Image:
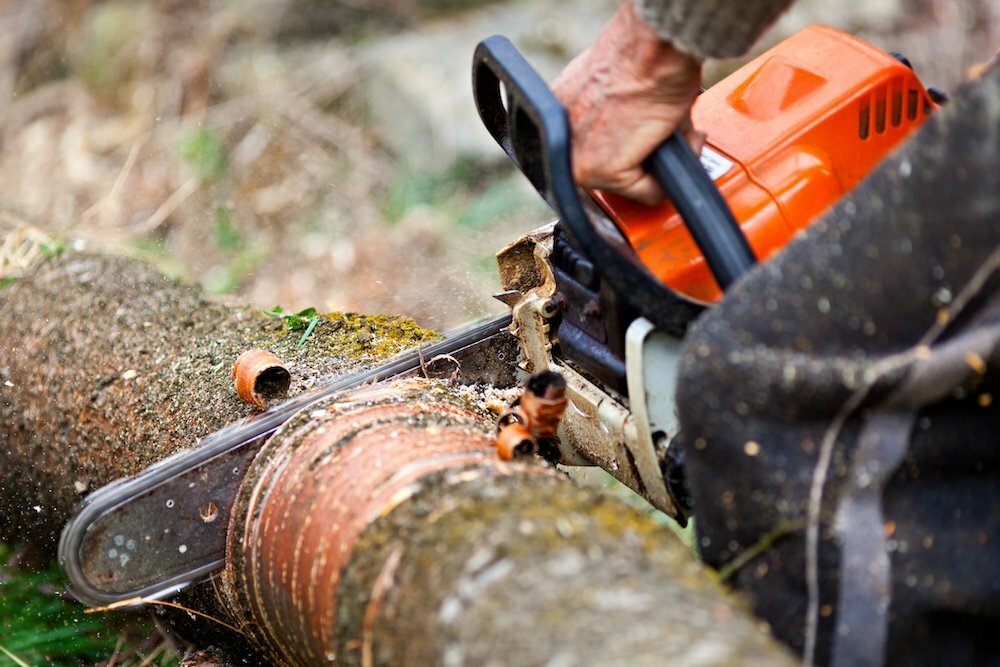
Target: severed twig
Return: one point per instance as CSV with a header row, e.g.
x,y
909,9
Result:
x,y
110,200
425,366
17,660
762,545
167,208
117,650
21,247
173,605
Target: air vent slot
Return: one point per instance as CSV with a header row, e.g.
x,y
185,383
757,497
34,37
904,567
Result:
x,y
893,105
897,108
880,111
912,104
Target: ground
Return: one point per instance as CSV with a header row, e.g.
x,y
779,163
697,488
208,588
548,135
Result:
x,y
318,154
304,153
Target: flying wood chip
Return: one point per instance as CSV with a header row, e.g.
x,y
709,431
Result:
x,y
261,377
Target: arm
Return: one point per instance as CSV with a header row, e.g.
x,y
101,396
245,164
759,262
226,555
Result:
x,y
636,85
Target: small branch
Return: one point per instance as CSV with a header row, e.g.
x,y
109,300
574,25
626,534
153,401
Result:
x,y
110,200
167,208
762,545
17,660
141,600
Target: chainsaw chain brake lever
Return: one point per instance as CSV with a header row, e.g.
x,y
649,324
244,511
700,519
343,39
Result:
x,y
531,125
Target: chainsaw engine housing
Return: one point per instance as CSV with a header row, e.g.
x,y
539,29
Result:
x,y
788,135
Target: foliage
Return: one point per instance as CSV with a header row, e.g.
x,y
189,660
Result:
x,y
240,258
53,248
104,56
601,479
226,278
411,188
227,236
294,321
500,201
39,625
24,246
204,152
304,319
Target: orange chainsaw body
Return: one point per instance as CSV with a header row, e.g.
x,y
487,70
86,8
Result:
x,y
788,134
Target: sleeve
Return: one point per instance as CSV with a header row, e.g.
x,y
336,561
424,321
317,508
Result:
x,y
710,28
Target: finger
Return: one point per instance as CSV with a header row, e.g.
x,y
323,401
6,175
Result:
x,y
644,190
697,139
635,184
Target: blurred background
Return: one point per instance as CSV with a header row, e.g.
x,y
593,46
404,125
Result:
x,y
320,153
302,153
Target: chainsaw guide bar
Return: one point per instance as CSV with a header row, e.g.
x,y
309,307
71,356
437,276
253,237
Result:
x,y
152,534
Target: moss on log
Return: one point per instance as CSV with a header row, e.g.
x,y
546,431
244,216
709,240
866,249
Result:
x,y
378,529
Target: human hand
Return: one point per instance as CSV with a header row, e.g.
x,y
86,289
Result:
x,y
625,95
979,69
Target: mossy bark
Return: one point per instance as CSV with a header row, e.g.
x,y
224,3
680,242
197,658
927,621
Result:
x,y
107,366
378,529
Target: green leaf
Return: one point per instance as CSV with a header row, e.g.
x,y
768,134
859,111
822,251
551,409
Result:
x,y
38,626
53,248
227,237
295,321
309,330
204,152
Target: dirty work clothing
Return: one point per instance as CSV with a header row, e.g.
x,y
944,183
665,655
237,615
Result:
x,y
710,28
870,343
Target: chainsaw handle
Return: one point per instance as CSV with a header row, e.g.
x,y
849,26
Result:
x,y
707,215
533,129
531,126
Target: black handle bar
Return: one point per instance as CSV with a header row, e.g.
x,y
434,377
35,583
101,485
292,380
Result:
x,y
707,216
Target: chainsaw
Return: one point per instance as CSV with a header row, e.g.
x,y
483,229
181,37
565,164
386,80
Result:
x,y
601,298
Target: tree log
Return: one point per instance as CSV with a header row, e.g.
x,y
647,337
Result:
x,y
376,529
107,366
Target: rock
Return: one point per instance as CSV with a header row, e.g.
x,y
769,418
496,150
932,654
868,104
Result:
x,y
418,84
318,18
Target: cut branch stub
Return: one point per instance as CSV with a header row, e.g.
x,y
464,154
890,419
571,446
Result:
x,y
261,377
534,418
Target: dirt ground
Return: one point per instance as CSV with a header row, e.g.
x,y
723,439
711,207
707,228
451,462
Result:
x,y
228,143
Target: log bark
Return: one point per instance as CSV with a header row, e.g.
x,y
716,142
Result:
x,y
107,366
379,528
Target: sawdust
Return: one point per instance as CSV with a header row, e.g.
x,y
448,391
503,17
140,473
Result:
x,y
492,400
